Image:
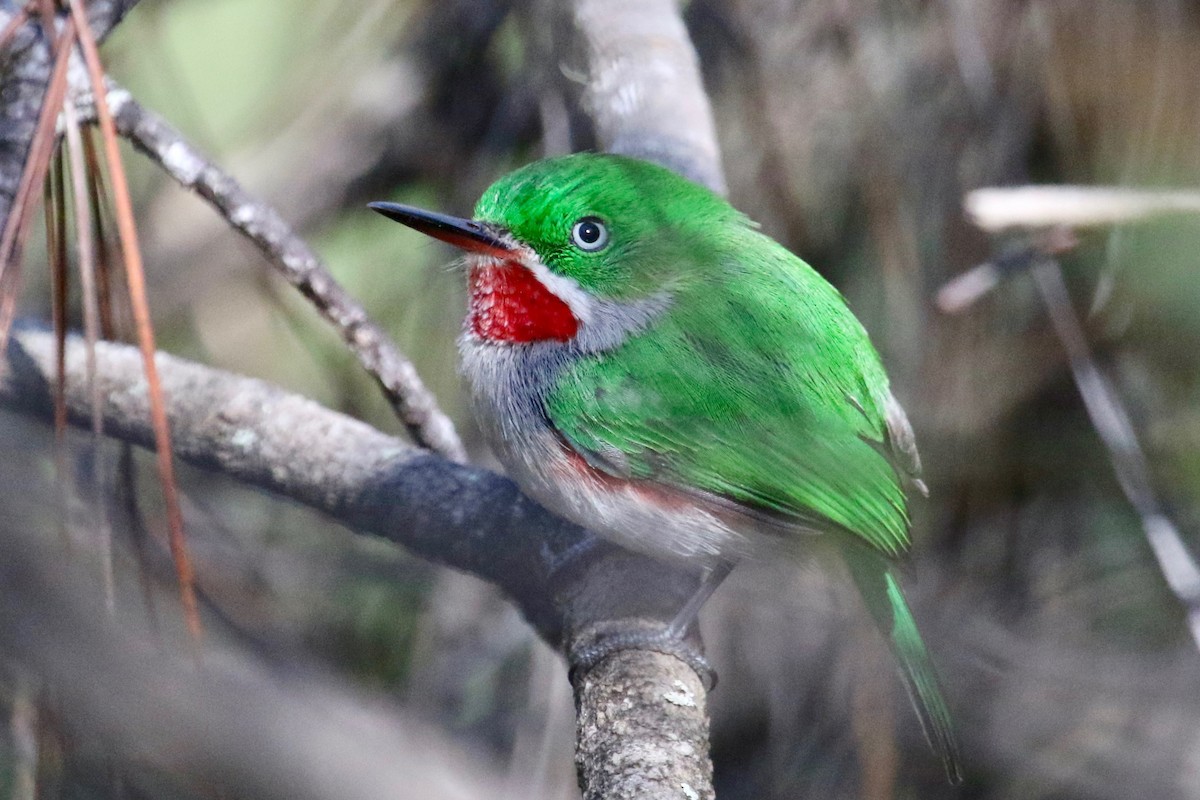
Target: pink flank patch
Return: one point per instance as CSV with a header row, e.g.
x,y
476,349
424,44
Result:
x,y
573,466
509,304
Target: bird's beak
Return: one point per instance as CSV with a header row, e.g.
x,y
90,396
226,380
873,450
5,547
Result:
x,y
476,237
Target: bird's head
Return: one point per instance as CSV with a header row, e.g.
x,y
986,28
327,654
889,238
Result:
x,y
565,244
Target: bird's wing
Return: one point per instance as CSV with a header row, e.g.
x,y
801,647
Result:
x,y
765,394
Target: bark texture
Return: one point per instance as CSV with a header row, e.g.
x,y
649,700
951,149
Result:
x,y
24,72
643,730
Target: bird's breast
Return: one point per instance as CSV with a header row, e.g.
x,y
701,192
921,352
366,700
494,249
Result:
x,y
508,390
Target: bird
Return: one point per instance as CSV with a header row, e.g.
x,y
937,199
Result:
x,y
647,363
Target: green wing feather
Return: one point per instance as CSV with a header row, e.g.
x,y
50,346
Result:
x,y
758,386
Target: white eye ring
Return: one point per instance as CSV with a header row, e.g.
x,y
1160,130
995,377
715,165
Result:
x,y
589,234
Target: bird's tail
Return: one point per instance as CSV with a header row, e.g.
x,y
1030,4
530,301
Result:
x,y
883,597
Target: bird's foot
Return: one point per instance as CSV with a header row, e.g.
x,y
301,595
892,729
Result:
x,y
686,617
602,641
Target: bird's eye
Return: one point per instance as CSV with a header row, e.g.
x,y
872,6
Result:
x,y
589,234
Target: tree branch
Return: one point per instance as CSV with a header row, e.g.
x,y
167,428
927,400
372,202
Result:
x,y
298,263
643,729
244,428
260,435
644,90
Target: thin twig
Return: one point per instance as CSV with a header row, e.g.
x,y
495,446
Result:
x,y
1025,207
299,265
37,162
23,733
136,281
1115,429
56,248
14,25
91,324
96,197
55,204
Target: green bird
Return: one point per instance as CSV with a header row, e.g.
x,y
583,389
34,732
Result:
x,y
646,363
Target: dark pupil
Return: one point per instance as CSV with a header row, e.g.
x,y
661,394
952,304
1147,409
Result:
x,y
589,232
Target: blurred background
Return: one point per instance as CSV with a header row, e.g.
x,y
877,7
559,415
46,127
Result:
x,y
851,131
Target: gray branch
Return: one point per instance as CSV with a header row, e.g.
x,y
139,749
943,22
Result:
x,y
646,99
644,91
661,749
260,435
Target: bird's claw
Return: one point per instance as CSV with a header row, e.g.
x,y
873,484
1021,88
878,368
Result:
x,y
599,643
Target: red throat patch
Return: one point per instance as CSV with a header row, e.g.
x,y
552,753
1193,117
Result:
x,y
509,304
